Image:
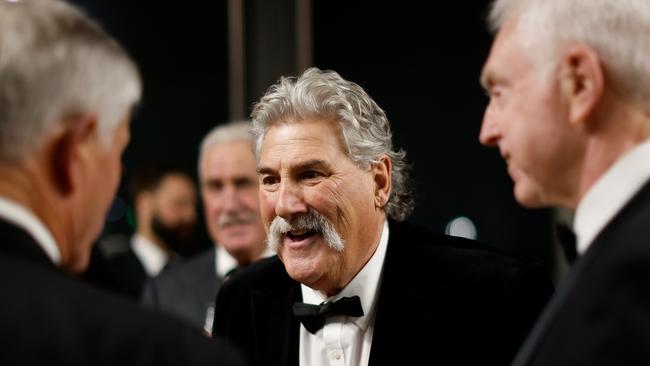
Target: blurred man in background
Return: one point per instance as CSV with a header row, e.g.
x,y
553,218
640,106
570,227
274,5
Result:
x,y
164,201
230,198
66,92
569,86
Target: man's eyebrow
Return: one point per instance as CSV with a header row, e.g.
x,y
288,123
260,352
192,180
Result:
x,y
264,170
305,165
309,164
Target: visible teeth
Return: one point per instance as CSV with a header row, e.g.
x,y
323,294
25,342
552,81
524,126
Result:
x,y
298,232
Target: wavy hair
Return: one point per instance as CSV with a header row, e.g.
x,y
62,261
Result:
x,y
325,95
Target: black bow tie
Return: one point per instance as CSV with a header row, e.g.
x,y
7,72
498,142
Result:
x,y
313,316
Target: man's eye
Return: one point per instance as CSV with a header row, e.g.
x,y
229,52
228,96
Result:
x,y
269,180
310,174
494,93
214,186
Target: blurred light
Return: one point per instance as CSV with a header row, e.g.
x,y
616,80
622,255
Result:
x,y
462,227
117,211
130,217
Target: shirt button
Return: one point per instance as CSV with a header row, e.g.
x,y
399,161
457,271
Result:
x,y
336,355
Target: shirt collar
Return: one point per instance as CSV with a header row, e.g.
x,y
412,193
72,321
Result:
x,y
224,262
610,193
152,257
365,284
18,215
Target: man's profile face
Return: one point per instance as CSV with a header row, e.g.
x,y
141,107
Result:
x,y
230,197
304,168
174,210
527,120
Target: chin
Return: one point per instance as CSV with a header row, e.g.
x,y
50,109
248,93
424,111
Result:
x,y
303,270
306,276
529,198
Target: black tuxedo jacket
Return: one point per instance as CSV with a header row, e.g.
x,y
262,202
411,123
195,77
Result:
x,y
121,272
601,312
187,290
50,318
440,299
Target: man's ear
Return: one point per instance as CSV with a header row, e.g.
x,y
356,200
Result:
x,y
582,82
70,151
382,173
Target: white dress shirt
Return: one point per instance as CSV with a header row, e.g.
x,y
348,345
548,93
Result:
x,y
343,340
18,215
152,257
610,193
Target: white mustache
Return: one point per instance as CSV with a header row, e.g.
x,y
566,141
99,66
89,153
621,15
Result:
x,y
311,221
228,219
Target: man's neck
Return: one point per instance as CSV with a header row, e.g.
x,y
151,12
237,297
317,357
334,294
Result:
x,y
625,126
23,187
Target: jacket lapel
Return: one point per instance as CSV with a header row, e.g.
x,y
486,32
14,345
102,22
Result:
x,y
17,242
274,340
393,301
531,346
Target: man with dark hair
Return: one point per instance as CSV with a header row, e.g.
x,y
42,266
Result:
x,y
164,201
66,92
352,285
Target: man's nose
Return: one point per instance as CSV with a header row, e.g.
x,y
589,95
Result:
x,y
290,201
231,200
490,133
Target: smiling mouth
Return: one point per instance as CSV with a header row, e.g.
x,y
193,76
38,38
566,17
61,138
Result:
x,y
300,235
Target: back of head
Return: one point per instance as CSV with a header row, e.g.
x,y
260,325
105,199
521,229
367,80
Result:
x,y
616,30
56,63
325,95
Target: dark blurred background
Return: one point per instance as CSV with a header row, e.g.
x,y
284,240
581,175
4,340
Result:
x,y
204,63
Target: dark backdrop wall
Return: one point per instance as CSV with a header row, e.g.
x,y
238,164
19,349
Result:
x,y
180,48
419,60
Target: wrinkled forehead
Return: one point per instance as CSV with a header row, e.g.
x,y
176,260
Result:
x,y
305,139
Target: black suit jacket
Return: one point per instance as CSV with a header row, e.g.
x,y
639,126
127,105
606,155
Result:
x,y
121,271
50,318
601,312
441,298
187,290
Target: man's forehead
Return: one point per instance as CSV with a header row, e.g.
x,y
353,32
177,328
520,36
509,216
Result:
x,y
506,52
230,153
302,134
228,166
296,158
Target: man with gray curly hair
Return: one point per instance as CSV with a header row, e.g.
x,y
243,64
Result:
x,y
334,194
66,92
569,86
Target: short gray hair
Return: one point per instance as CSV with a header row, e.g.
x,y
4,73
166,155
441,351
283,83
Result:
x,y
223,134
57,63
325,95
617,30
